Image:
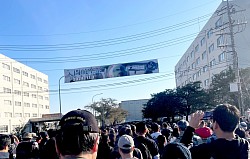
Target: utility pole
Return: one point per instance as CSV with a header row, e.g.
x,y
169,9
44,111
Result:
x,y
235,58
229,10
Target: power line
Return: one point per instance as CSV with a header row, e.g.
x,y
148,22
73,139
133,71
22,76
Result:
x,y
103,85
108,29
100,43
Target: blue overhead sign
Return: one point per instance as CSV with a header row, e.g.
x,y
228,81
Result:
x,y
110,71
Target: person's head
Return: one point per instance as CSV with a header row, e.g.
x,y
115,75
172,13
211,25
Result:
x,y
176,151
44,134
5,141
141,128
182,124
227,117
161,140
78,134
164,125
155,127
27,136
125,145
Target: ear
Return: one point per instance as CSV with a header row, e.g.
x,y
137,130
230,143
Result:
x,y
95,148
215,125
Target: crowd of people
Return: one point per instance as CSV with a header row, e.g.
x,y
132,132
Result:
x,y
224,136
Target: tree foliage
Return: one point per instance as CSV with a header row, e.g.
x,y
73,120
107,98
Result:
x,y
219,90
179,101
108,111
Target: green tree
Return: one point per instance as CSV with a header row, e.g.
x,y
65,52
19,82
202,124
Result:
x,y
163,104
219,90
194,97
108,111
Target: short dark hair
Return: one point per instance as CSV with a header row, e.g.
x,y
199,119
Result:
x,y
4,141
227,116
73,141
141,127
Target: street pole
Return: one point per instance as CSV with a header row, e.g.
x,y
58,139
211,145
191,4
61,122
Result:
x,y
93,100
59,92
235,59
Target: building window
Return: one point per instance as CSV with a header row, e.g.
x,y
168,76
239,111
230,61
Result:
x,y
26,114
211,48
187,58
7,102
34,105
39,79
33,86
3,128
192,54
25,74
205,68
198,61
17,81
39,88
46,107
6,66
209,33
202,41
6,78
6,90
17,92
45,81
33,95
32,76
46,90
34,115
194,77
46,98
40,97
8,114
26,94
212,63
196,48
16,70
218,23
220,41
17,103
193,65
206,82
26,84
222,57
204,55
199,73
26,104
40,106
18,114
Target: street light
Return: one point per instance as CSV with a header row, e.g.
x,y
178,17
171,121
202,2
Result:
x,y
93,99
59,92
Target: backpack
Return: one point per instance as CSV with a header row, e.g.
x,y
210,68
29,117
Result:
x,y
144,150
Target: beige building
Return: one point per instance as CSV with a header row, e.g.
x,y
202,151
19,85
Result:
x,y
134,108
24,94
211,51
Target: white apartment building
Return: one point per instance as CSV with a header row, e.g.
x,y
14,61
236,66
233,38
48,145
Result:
x,y
24,94
211,51
134,108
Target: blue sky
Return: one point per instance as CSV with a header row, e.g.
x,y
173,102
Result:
x,y
51,36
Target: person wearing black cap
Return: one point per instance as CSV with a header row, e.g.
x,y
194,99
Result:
x,y
78,136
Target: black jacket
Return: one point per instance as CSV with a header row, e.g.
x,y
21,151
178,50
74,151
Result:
x,y
217,149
